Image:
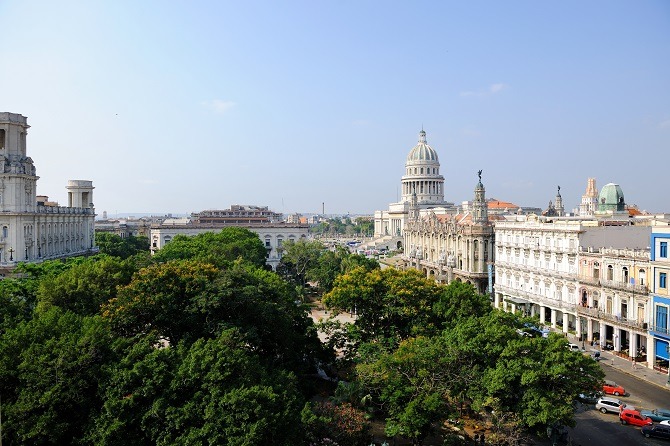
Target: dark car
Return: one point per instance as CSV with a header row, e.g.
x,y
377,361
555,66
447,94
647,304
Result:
x,y
657,414
658,430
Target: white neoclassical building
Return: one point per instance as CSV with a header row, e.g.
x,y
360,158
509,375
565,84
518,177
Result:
x,y
422,180
33,228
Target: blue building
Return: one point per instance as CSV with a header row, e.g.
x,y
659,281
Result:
x,y
660,317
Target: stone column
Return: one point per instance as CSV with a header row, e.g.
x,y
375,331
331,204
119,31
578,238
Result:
x,y
632,344
579,327
602,334
553,318
617,339
496,301
589,329
565,322
651,351
542,314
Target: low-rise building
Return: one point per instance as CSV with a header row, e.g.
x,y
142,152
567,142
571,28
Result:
x,y
273,234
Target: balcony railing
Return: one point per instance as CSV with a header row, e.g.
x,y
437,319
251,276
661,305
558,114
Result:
x,y
536,298
625,286
596,313
589,280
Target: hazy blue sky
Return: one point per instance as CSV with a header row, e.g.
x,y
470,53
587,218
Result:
x,y
181,106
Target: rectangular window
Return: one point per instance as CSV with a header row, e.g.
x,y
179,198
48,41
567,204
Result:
x,y
662,280
663,250
661,318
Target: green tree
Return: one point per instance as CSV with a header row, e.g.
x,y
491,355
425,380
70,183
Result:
x,y
51,370
458,301
163,299
187,300
115,245
410,386
342,423
218,248
538,379
299,259
85,286
214,391
390,305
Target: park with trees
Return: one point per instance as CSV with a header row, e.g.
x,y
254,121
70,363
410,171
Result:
x,y
203,344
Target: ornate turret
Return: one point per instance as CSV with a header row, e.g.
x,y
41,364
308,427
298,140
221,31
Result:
x,y
479,207
560,211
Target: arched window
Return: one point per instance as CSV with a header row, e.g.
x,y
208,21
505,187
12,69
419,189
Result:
x,y
596,270
641,275
624,270
610,272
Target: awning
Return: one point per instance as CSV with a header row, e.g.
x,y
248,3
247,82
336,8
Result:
x,y
516,300
661,349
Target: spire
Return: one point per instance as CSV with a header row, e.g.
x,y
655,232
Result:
x,y
479,206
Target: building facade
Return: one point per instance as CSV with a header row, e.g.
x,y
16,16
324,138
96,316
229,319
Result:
x,y
613,303
33,228
594,275
659,332
450,247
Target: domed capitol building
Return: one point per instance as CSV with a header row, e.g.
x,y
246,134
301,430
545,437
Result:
x,y
445,242
422,178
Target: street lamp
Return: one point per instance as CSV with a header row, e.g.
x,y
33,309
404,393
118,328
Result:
x,y
11,254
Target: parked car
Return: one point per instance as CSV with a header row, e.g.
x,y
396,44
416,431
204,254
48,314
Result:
x,y
612,388
634,417
574,347
660,431
589,398
657,414
606,404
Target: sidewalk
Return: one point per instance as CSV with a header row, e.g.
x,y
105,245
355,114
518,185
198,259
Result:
x,y
641,371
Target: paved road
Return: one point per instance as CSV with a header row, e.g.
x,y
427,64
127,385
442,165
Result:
x,y
596,429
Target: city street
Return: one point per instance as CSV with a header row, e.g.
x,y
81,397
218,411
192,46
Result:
x,y
596,429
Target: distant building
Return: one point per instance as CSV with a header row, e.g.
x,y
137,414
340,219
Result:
x,y
33,228
257,219
238,215
589,203
129,227
295,218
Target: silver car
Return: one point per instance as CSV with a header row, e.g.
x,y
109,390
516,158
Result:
x,y
606,404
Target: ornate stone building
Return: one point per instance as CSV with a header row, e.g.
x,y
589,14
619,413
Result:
x,y
33,228
450,247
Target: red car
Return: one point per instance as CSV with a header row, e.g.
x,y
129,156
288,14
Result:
x,y
613,388
634,417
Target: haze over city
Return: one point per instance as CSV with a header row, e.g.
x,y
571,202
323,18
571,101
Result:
x,y
302,106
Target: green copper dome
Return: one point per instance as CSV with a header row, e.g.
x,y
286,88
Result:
x,y
611,198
